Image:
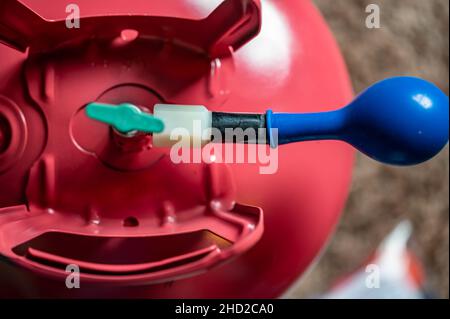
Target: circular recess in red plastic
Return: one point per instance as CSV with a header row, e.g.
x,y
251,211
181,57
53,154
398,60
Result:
x,y
13,133
112,148
5,134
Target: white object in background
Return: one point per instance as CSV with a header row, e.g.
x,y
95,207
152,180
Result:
x,y
391,265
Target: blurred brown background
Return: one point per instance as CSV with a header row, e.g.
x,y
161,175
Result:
x,y
413,40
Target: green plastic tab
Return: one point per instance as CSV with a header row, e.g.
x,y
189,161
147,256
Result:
x,y
124,117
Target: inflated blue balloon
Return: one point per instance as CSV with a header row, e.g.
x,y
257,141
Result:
x,y
399,121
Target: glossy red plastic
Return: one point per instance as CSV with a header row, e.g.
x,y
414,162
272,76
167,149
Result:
x,y
72,191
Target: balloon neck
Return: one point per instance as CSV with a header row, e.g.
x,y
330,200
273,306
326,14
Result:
x,y
308,126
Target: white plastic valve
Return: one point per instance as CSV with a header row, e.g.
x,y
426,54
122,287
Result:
x,y
188,125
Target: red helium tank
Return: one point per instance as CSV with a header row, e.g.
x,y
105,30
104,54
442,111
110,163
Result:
x,y
72,191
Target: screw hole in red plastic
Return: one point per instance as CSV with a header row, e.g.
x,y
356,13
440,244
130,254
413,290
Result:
x,y
130,222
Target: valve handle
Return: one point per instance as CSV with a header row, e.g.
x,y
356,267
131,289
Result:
x,y
124,117
399,121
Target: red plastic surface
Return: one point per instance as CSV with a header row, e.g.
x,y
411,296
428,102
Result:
x,y
73,191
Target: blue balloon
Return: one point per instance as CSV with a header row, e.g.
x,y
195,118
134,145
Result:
x,y
399,121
